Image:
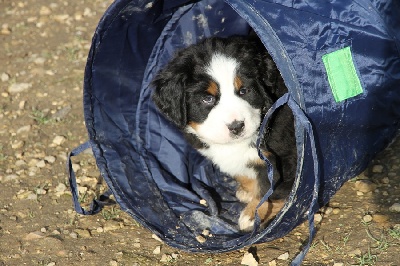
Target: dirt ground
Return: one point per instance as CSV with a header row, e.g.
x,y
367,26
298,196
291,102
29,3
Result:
x,y
43,50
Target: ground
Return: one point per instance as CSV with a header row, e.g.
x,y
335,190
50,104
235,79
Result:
x,y
43,49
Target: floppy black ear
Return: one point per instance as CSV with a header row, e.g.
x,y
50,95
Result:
x,y
169,96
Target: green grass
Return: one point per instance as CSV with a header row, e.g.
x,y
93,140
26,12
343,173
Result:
x,y
112,213
40,117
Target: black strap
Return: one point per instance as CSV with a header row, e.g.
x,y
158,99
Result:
x,y
97,204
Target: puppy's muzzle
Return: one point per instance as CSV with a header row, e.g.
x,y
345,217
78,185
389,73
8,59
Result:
x,y
236,127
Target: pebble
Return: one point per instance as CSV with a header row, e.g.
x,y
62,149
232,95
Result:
x,y
58,140
385,180
284,256
44,11
157,250
24,129
364,186
377,168
113,263
395,207
201,239
166,258
249,260
19,87
41,164
367,218
317,217
338,264
154,236
272,263
83,233
4,77
17,144
356,252
34,236
50,159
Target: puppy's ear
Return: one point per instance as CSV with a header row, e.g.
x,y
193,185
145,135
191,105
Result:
x,y
169,96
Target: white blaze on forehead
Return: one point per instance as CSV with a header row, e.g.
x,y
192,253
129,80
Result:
x,y
223,70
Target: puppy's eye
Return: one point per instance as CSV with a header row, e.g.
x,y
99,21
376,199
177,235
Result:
x,y
244,90
208,99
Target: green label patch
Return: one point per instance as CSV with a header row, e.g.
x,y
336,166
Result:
x,y
342,75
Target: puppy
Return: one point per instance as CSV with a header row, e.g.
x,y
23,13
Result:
x,y
216,92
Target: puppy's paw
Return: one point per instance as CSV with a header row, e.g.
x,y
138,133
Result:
x,y
246,223
244,196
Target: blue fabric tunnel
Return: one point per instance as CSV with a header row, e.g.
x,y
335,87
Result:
x,y
344,115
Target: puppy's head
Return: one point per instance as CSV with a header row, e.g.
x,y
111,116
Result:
x,y
215,90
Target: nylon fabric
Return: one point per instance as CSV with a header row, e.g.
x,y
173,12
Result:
x,y
160,180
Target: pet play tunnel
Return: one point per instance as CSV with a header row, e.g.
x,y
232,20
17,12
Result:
x,y
339,60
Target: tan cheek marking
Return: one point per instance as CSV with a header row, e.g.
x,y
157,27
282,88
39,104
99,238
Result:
x,y
261,162
237,83
193,125
212,88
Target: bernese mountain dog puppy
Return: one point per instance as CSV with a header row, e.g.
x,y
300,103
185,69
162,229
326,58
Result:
x,y
216,92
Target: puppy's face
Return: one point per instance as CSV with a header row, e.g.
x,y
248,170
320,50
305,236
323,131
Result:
x,y
214,90
228,108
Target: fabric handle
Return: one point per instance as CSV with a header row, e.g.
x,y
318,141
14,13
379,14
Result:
x,y
97,204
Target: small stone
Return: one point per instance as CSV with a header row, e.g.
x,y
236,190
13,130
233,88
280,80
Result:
x,y
34,236
385,180
41,164
201,239
365,186
175,256
113,263
385,193
157,250
354,253
206,232
17,144
58,140
45,11
4,77
83,233
166,258
61,187
377,169
203,202
19,87
338,264
272,263
43,230
154,236
10,178
100,229
367,218
395,207
328,210
41,191
21,106
249,260
51,264
317,217
24,129
32,196
50,159
284,256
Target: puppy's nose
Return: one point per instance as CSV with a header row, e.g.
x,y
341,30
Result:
x,y
236,127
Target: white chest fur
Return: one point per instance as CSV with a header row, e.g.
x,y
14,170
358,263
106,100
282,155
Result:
x,y
233,158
